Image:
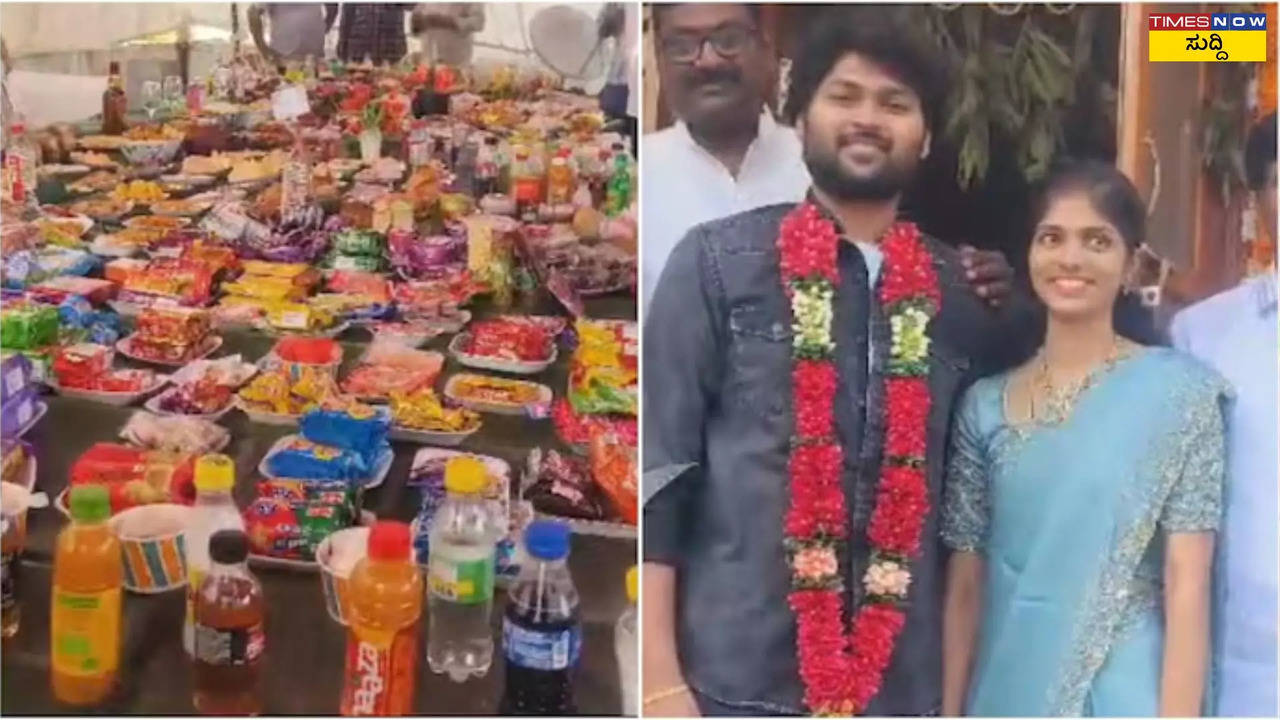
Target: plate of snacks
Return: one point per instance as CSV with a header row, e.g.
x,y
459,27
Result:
x,y
102,208
84,371
205,388
420,417
577,429
55,170
139,191
150,152
170,335
205,165
502,396
64,231
389,368
178,434
160,222
95,160
339,440
98,181
180,208
102,142
280,394
463,347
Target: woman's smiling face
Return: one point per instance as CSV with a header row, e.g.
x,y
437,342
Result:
x,y
1078,260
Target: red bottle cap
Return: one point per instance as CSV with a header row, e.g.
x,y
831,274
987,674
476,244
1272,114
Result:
x,y
389,540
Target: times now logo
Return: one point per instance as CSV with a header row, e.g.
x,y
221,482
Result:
x,y
1207,21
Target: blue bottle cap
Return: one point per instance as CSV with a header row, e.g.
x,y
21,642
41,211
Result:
x,y
547,540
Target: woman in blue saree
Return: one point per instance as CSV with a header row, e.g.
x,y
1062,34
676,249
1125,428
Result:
x,y
1083,493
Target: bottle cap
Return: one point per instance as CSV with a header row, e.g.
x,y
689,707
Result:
x,y
215,473
547,540
465,476
633,584
17,128
90,503
389,540
229,547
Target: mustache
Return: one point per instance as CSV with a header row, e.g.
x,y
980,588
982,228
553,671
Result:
x,y
698,78
867,136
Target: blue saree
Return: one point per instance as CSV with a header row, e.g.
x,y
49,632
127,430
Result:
x,y
1071,520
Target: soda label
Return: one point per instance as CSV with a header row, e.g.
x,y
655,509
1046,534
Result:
x,y
466,582
381,671
229,646
541,650
86,632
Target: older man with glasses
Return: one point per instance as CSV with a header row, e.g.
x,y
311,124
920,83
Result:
x,y
725,154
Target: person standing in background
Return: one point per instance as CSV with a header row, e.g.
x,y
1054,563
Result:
x,y
374,31
446,31
618,98
1235,333
297,29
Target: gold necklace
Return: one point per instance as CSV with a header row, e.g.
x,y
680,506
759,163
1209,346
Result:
x,y
1056,402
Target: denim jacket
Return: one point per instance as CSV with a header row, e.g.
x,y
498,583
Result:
x,y
717,423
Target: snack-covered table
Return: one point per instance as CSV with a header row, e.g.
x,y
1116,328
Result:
x,y
465,286
305,647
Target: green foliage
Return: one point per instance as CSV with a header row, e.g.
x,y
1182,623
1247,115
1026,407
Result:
x,y
1015,77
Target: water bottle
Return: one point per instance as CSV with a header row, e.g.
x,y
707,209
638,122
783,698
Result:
x,y
22,162
460,571
542,628
624,643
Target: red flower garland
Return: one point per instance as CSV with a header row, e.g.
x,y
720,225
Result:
x,y
843,672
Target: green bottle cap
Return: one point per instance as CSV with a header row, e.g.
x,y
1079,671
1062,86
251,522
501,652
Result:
x,y
90,503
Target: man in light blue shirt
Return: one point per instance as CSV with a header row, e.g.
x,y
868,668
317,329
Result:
x,y
1235,332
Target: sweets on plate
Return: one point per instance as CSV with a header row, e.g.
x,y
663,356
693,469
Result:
x,y
141,191
510,338
174,434
422,410
134,476
578,429
28,326
170,334
389,368
603,374
87,366
468,387
283,529
348,425
562,485
298,457
289,389
613,466
187,283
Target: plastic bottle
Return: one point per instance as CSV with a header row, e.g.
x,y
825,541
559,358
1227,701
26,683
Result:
x,y
115,105
560,180
85,617
296,178
542,628
214,510
230,639
382,633
461,574
618,194
526,183
11,545
21,165
624,643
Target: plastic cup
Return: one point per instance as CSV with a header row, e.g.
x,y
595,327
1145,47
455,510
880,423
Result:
x,y
153,542
337,556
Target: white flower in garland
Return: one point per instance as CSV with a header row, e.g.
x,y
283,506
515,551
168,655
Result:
x,y
811,310
910,341
887,578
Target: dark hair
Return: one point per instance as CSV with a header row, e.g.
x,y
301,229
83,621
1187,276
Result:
x,y
1115,198
656,8
886,41
1260,151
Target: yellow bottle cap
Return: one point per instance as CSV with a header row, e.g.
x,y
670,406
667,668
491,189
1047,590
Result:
x,y
465,476
633,584
215,472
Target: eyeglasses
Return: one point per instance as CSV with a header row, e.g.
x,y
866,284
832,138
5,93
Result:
x,y
727,40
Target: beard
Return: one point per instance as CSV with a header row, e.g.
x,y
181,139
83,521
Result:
x,y
885,183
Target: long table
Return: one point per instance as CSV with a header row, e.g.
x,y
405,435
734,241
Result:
x,y
305,648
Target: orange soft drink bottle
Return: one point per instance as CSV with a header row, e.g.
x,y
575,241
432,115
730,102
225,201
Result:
x,y
385,593
85,616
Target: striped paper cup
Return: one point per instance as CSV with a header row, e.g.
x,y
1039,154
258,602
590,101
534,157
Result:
x,y
337,556
153,542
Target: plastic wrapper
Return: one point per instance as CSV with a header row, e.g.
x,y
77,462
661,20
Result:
x,y
170,334
303,458
300,274
201,397
422,410
289,390
579,428
27,326
15,455
388,368
25,268
16,373
419,257
266,287
188,284
355,427
604,371
278,528
562,485
361,263
613,465
134,476
337,493
510,338
371,286
60,288
174,434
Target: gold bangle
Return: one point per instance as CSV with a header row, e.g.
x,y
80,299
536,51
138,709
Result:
x,y
664,694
